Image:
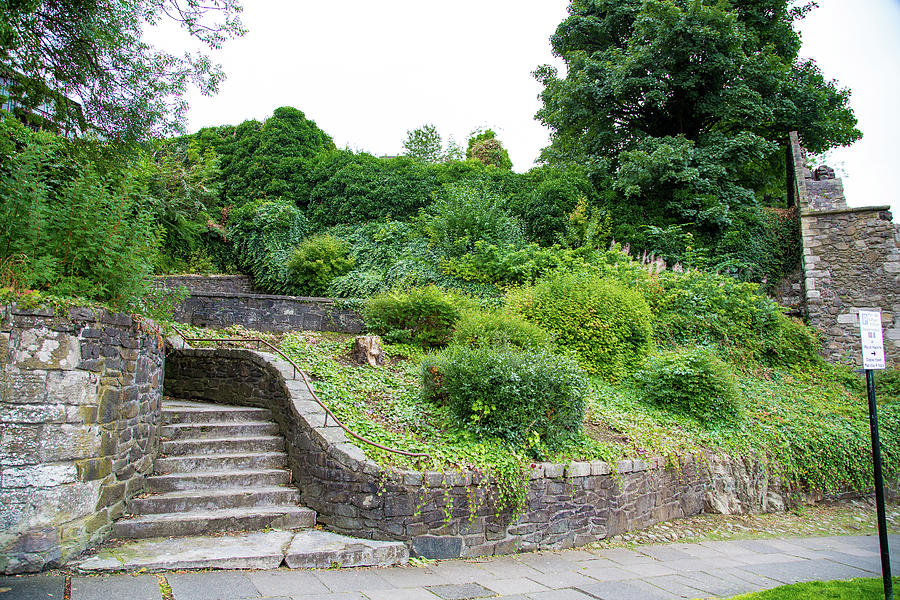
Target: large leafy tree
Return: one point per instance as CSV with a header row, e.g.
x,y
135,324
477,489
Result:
x,y
94,52
683,105
271,159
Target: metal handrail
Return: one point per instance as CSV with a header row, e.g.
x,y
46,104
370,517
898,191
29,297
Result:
x,y
312,392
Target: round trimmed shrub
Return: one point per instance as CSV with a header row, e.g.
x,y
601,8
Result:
x,y
422,315
530,399
480,329
693,382
606,324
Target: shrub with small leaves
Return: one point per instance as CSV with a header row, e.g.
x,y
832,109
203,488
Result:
x,y
483,329
604,322
317,261
693,382
422,315
530,399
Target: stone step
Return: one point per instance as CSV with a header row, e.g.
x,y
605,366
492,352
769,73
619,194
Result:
x,y
220,446
194,463
217,479
205,522
265,550
199,412
180,431
190,500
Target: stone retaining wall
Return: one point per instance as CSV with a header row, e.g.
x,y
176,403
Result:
x,y
267,313
79,418
205,284
442,515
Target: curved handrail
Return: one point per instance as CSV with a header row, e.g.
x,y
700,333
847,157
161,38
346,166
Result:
x,y
297,370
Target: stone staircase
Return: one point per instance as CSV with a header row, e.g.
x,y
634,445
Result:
x,y
222,495
221,468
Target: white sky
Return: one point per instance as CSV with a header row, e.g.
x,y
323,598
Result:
x,y
367,72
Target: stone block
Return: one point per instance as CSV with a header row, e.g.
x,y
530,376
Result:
x,y
21,442
23,387
93,469
38,476
72,387
578,469
66,442
599,467
32,413
553,470
42,348
437,547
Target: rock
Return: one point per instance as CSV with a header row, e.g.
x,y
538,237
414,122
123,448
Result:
x,y
367,350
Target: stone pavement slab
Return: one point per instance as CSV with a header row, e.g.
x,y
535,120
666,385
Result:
x,y
810,570
217,585
143,587
516,585
408,593
626,590
461,591
351,580
25,588
564,594
286,583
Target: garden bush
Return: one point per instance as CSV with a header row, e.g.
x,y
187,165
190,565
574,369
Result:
x,y
462,215
263,233
530,399
604,322
698,307
422,315
317,261
483,329
692,381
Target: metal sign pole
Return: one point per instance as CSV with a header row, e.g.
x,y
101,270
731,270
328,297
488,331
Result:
x,y
873,358
879,489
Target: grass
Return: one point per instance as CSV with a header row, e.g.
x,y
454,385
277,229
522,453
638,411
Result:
x,y
854,589
809,427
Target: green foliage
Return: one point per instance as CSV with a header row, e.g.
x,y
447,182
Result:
x,y
697,307
181,183
263,234
530,399
269,160
350,188
317,261
691,381
422,315
606,324
424,144
489,329
682,106
487,149
71,230
95,51
463,215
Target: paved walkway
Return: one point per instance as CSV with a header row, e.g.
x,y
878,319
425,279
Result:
x,y
657,572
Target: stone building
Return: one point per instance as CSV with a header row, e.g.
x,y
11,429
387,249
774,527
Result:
x,y
850,261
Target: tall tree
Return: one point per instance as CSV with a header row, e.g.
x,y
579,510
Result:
x,y
684,104
93,52
424,143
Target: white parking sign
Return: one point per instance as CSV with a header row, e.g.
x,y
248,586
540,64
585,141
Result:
x,y
872,342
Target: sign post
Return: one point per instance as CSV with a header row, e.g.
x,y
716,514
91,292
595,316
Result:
x,y
873,358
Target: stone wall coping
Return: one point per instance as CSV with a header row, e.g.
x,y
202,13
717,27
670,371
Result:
x,y
845,211
307,299
352,456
